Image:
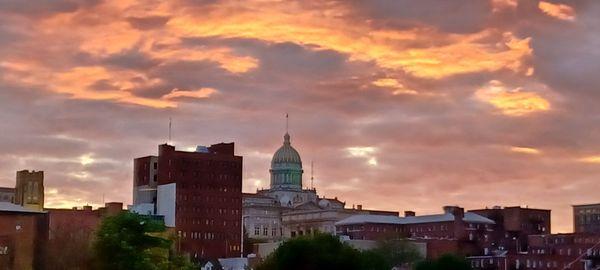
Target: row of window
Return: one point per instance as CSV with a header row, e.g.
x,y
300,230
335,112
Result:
x,y
209,211
207,222
209,164
208,235
212,199
265,231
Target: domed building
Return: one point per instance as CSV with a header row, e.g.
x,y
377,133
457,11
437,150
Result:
x,y
286,167
287,209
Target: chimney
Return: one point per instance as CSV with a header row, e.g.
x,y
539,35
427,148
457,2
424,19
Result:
x,y
87,208
113,208
359,206
409,213
458,212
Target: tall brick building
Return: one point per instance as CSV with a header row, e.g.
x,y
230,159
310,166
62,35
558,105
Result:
x,y
586,218
198,193
514,224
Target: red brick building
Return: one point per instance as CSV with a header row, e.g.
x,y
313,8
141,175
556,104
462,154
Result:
x,y
198,193
515,224
454,231
71,233
551,251
23,236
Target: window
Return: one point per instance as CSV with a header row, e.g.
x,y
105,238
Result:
x,y
256,230
265,231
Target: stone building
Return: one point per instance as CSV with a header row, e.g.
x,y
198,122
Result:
x,y
287,209
29,190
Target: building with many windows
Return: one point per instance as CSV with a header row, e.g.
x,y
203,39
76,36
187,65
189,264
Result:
x,y
199,195
287,209
586,218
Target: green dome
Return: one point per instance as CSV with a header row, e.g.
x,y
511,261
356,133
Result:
x,y
286,153
286,167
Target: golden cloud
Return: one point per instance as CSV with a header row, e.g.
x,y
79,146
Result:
x,y
525,150
515,102
287,22
590,159
200,93
397,87
559,11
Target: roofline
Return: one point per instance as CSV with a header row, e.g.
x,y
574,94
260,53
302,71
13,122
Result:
x,y
589,204
508,207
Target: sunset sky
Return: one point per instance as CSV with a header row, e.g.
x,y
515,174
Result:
x,y
402,105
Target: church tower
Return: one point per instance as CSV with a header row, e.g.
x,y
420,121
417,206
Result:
x,y
29,190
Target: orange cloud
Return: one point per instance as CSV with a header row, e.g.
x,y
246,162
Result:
x,y
559,11
525,150
590,159
200,93
397,87
514,102
499,5
287,22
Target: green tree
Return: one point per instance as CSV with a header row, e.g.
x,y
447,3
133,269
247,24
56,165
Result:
x,y
445,262
398,252
129,241
319,252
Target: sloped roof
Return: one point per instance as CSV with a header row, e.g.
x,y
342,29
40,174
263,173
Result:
x,y
10,207
360,219
382,219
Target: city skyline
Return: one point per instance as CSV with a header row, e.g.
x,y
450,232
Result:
x,y
400,107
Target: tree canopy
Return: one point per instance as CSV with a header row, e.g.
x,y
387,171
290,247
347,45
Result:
x,y
445,262
129,241
322,251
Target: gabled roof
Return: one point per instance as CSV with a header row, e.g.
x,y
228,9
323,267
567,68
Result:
x,y
382,219
10,207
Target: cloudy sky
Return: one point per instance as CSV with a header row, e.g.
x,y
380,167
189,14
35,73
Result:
x,y
401,105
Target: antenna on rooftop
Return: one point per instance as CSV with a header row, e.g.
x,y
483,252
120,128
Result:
x,y
169,130
312,176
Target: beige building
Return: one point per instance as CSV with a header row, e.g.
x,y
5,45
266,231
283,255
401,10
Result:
x,y
288,210
29,190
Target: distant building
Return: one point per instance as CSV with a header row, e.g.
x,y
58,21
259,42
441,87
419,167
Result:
x,y
287,209
7,194
586,218
23,236
71,232
573,251
454,231
29,189
515,224
198,193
